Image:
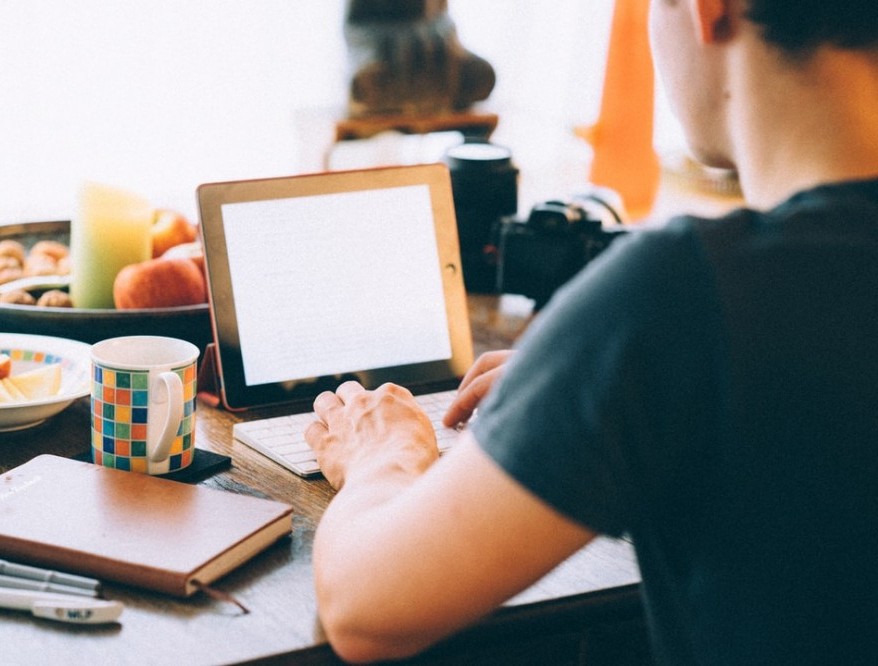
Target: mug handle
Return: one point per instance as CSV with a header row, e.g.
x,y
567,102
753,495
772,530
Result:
x,y
174,393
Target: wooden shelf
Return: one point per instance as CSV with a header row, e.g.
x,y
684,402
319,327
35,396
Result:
x,y
467,122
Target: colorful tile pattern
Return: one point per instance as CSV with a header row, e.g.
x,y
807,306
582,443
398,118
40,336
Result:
x,y
75,373
30,355
119,406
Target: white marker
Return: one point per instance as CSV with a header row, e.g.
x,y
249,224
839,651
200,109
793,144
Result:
x,y
64,608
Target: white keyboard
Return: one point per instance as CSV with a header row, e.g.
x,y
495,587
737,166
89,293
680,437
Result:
x,y
282,438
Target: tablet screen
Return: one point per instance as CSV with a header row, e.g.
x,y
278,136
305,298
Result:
x,y
316,279
352,282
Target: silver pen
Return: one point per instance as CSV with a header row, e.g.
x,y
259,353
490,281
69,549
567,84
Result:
x,y
16,570
44,586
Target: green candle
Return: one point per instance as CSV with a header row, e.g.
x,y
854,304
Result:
x,y
111,231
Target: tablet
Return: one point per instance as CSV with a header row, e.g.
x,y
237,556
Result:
x,y
320,278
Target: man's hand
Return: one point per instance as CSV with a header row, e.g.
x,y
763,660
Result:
x,y
475,386
370,434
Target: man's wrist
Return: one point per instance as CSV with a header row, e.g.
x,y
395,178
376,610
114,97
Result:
x,y
398,466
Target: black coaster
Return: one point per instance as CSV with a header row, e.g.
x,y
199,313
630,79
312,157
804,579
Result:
x,y
204,464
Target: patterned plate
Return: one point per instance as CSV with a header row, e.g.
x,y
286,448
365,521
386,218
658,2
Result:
x,y
30,351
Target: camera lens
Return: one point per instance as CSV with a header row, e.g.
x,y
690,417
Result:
x,y
484,182
482,154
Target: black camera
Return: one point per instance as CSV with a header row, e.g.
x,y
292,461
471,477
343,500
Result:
x,y
533,257
537,255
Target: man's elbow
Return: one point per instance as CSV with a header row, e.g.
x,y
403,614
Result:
x,y
358,642
362,650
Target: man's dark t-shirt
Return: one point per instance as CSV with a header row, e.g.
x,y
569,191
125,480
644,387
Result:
x,y
711,389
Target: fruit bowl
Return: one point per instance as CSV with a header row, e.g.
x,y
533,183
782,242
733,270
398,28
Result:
x,y
190,322
32,351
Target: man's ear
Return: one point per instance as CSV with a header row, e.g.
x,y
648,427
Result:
x,y
714,19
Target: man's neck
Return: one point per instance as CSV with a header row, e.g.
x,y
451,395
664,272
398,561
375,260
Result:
x,y
816,123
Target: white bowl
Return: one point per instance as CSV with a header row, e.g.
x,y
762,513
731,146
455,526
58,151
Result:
x,y
31,351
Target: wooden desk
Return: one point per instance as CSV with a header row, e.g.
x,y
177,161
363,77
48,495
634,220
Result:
x,y
561,619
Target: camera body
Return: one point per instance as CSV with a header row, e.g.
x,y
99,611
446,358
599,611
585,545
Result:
x,y
533,257
537,255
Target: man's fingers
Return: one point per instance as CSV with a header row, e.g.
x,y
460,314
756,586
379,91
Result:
x,y
325,403
328,402
467,400
315,432
475,386
348,390
484,364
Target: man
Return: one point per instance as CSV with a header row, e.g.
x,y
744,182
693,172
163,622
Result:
x,y
710,388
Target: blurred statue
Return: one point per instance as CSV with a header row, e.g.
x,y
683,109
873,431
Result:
x,y
405,58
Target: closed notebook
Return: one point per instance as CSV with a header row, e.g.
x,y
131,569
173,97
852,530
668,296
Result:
x,y
131,528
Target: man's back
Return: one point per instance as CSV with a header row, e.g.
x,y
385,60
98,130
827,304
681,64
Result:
x,y
782,536
728,423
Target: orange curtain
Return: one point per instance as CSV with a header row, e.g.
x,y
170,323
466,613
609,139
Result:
x,y
624,158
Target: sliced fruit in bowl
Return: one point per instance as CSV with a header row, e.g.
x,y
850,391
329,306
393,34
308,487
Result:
x,y
37,384
43,376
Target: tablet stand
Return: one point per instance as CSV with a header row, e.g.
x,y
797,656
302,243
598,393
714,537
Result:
x,y
208,382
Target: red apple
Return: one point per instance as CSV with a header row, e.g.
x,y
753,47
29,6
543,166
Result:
x,y
5,366
159,283
191,251
170,228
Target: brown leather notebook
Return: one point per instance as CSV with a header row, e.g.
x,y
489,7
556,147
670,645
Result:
x,y
131,528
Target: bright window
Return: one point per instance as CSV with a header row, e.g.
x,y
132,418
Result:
x,y
160,96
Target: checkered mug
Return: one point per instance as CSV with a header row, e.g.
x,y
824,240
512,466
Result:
x,y
143,403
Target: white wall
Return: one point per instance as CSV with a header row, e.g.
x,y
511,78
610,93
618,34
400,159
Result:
x,y
158,96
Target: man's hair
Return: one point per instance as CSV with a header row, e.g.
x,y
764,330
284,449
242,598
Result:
x,y
800,26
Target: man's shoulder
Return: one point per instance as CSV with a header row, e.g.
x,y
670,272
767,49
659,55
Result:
x,y
821,203
816,214
695,230
659,277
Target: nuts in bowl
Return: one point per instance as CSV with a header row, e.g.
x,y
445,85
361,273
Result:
x,y
24,271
